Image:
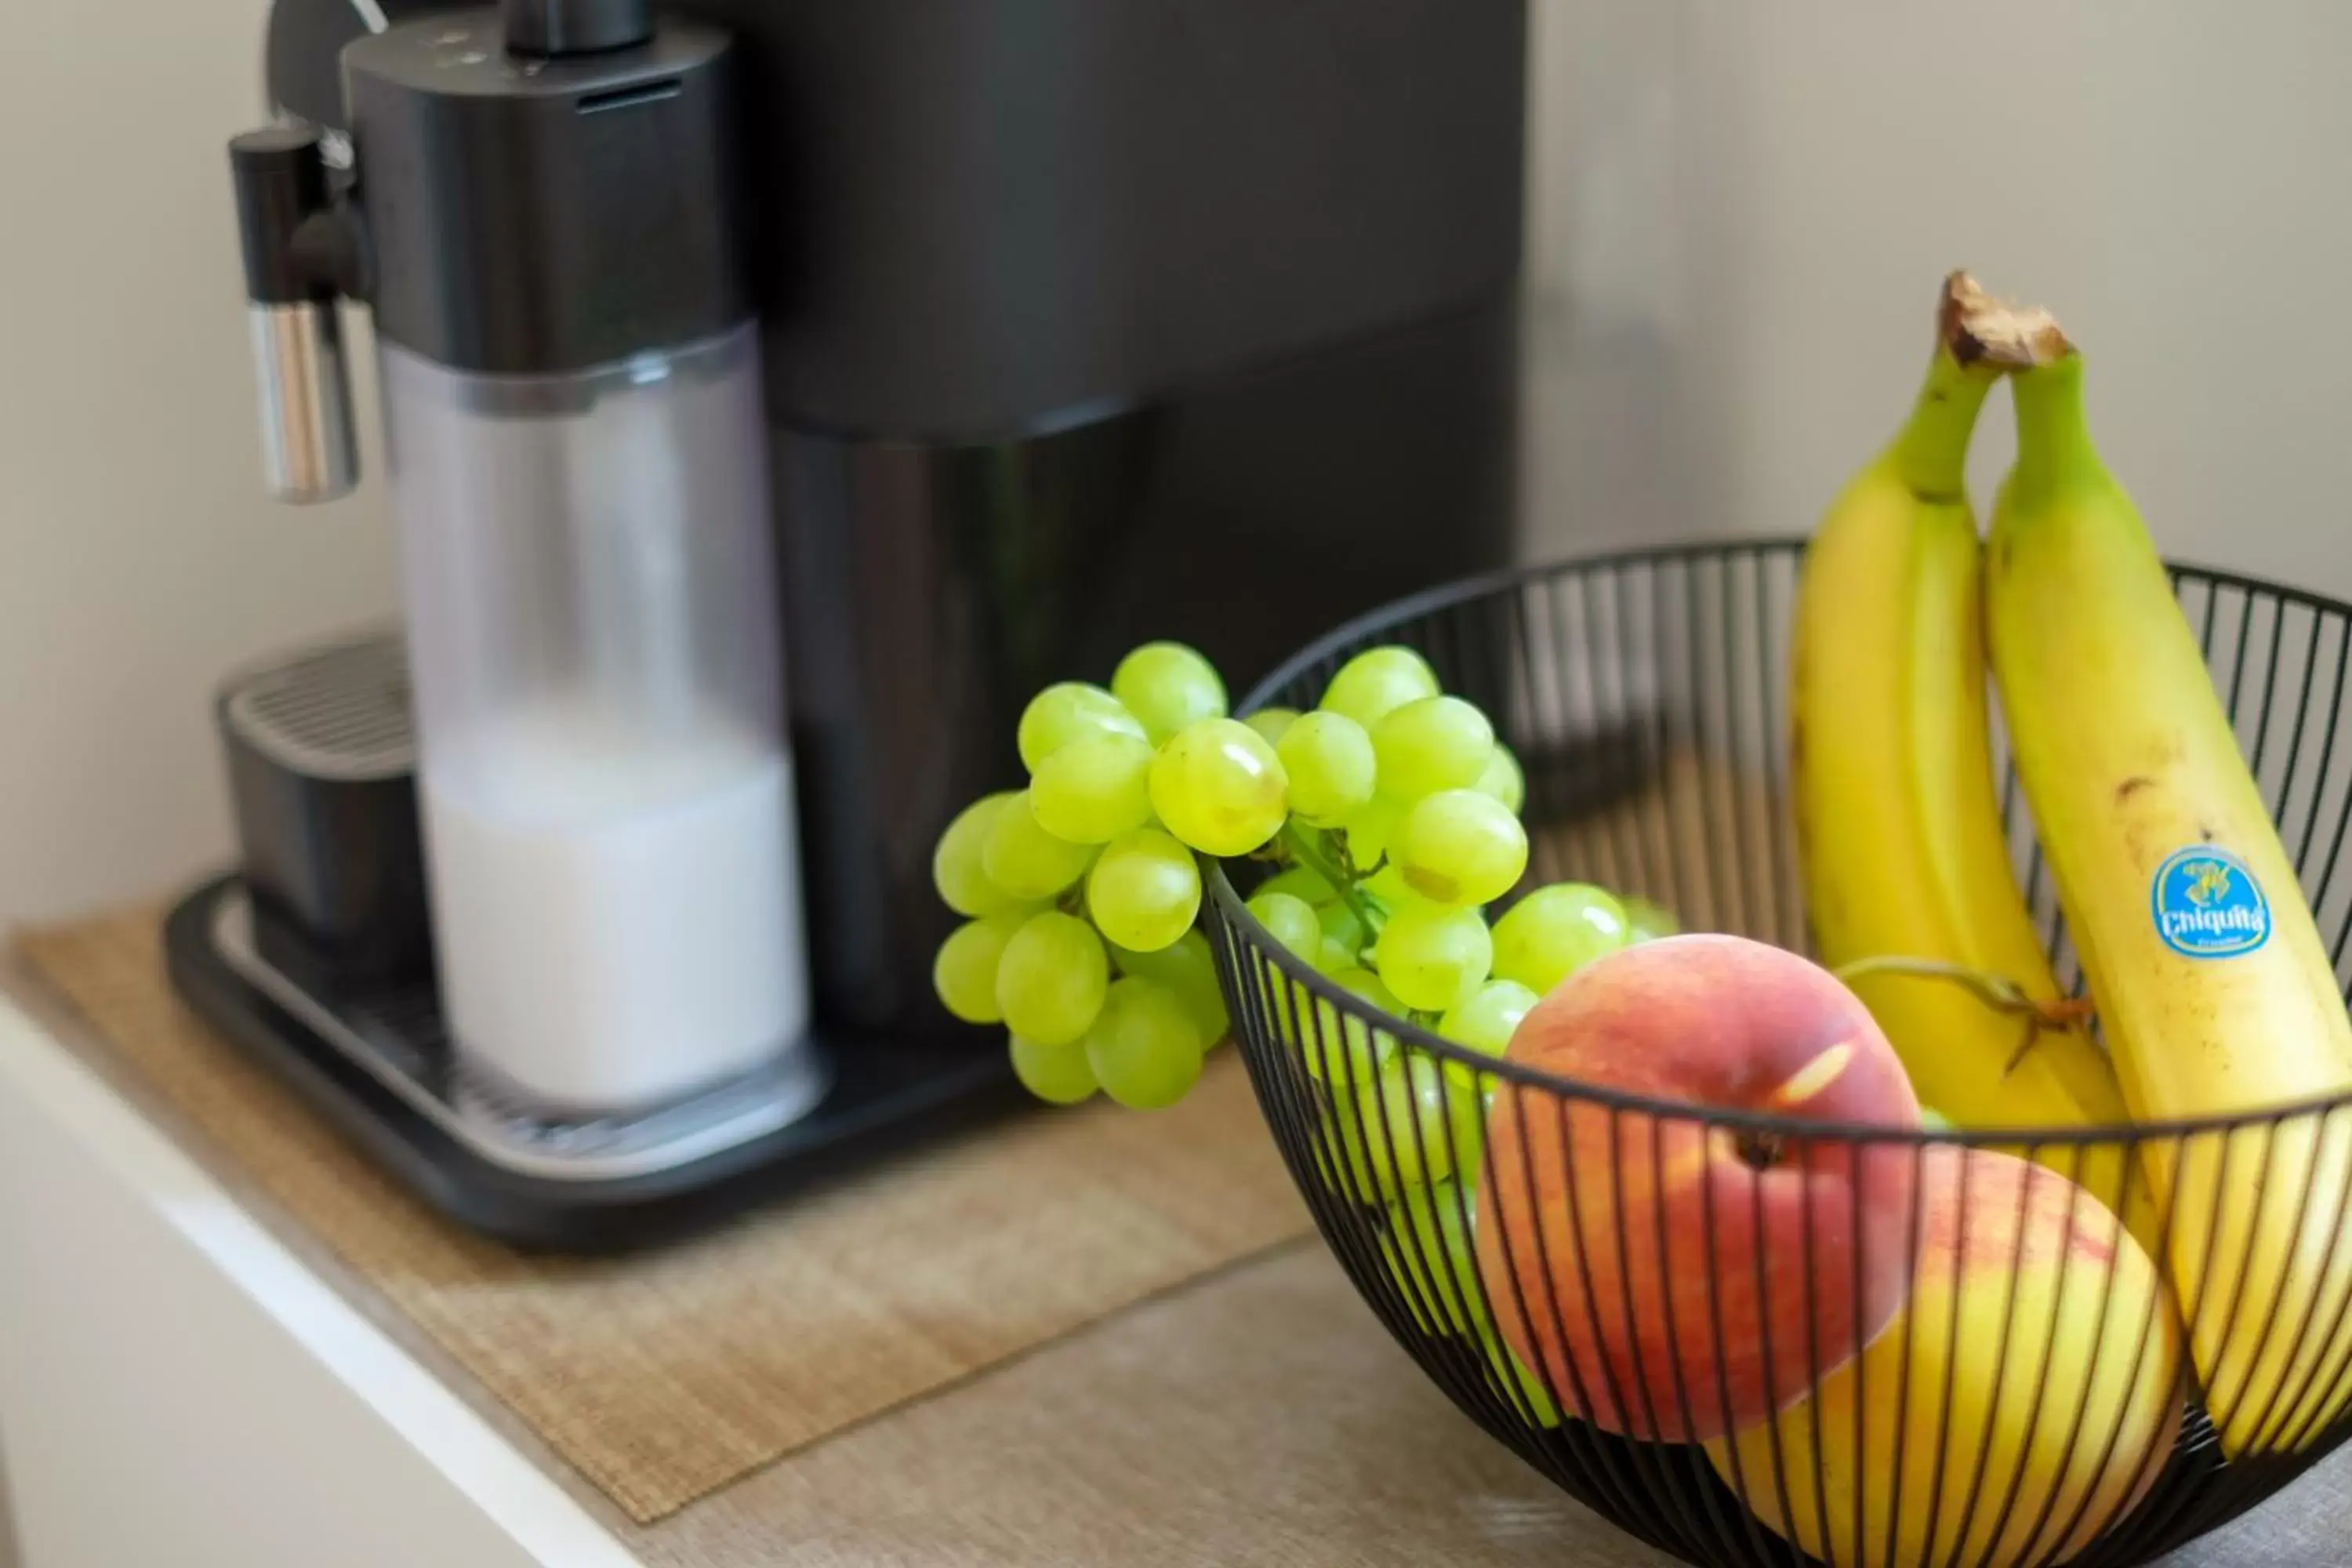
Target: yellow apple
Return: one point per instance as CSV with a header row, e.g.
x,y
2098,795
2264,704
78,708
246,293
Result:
x,y
2023,1399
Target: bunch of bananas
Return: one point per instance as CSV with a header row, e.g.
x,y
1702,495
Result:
x,y
2214,993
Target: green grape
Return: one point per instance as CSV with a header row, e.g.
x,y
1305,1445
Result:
x,y
956,865
1557,931
1333,956
1488,1019
1188,969
1934,1121
1290,922
1433,956
1145,1048
1429,744
1508,1371
1272,722
1376,680
1340,923
1369,831
1646,921
1065,710
1388,886
965,973
1094,788
1503,779
1144,891
1301,882
1169,687
1458,847
1051,981
1466,1105
1429,1254
1335,1047
1024,859
1059,1075
1372,988
1168,965
1470,1100
1218,787
1327,758
1402,1133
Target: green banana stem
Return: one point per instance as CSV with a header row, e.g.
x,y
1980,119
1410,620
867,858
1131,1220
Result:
x,y
2025,343
1978,341
2054,453
1931,453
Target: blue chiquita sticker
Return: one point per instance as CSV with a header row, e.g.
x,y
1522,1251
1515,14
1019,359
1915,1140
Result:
x,y
2208,905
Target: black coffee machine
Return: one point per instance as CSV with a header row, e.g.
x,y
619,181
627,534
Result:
x,y
777,394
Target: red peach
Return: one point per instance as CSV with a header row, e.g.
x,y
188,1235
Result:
x,y
1673,1278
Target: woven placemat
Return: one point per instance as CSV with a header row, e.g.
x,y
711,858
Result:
x,y
664,1376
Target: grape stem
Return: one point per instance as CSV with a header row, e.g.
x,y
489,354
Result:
x,y
1341,876
1995,991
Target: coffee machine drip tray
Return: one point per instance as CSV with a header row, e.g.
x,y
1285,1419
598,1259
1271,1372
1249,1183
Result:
x,y
398,1038
379,1065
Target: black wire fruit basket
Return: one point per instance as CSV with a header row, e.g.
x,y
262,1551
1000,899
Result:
x,y
1939,1350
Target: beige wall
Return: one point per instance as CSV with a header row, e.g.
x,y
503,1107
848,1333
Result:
x,y
138,558
1745,209
1742,212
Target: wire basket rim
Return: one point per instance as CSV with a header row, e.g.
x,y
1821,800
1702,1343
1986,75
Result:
x,y
1234,911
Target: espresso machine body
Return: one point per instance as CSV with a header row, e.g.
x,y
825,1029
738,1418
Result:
x,y
1090,323
1077,325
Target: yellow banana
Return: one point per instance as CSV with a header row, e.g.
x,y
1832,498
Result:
x,y
1902,845
2213,988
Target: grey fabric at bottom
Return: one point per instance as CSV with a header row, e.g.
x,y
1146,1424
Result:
x,y
1262,1418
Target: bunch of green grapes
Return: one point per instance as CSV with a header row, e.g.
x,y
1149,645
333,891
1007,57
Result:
x,y
1392,813
1082,892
